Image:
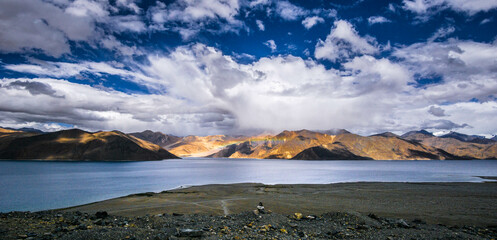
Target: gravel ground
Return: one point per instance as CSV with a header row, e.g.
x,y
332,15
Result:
x,y
245,225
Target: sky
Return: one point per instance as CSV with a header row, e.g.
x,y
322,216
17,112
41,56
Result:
x,y
202,67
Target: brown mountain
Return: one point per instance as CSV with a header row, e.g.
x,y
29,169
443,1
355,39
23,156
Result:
x,y
198,146
463,149
321,153
161,139
76,144
306,144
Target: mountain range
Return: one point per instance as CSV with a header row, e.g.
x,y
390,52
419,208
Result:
x,y
335,144
332,144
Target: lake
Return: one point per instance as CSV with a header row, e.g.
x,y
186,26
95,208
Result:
x,y
37,185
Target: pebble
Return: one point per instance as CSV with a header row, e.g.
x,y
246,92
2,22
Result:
x,y
101,214
187,232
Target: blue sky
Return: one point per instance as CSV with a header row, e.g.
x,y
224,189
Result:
x,y
242,67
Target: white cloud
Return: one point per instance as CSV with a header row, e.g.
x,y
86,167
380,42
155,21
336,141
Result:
x,y
289,11
343,42
260,25
207,92
65,70
129,4
455,60
256,3
486,20
128,23
377,19
429,7
87,8
271,44
442,33
197,14
391,7
110,42
33,25
309,22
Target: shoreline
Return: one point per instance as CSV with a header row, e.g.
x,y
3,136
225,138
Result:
x,y
484,179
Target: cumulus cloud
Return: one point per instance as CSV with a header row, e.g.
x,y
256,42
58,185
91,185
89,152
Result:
x,y
377,19
271,44
35,25
208,92
309,22
455,60
49,27
343,42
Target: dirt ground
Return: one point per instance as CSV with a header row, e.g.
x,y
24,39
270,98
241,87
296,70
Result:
x,y
436,203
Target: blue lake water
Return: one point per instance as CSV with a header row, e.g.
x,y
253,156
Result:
x,y
36,185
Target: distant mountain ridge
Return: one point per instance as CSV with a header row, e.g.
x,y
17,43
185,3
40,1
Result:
x,y
76,144
318,145
304,144
158,138
468,138
25,129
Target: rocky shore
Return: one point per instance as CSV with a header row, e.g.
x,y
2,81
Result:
x,y
245,225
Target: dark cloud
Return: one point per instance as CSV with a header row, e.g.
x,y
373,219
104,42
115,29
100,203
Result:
x,y
437,111
443,124
35,88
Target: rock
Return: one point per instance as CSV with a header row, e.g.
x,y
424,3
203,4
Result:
x,y
187,232
101,214
22,236
31,234
82,227
98,222
298,216
260,208
418,221
310,217
402,223
363,227
373,216
256,212
177,214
